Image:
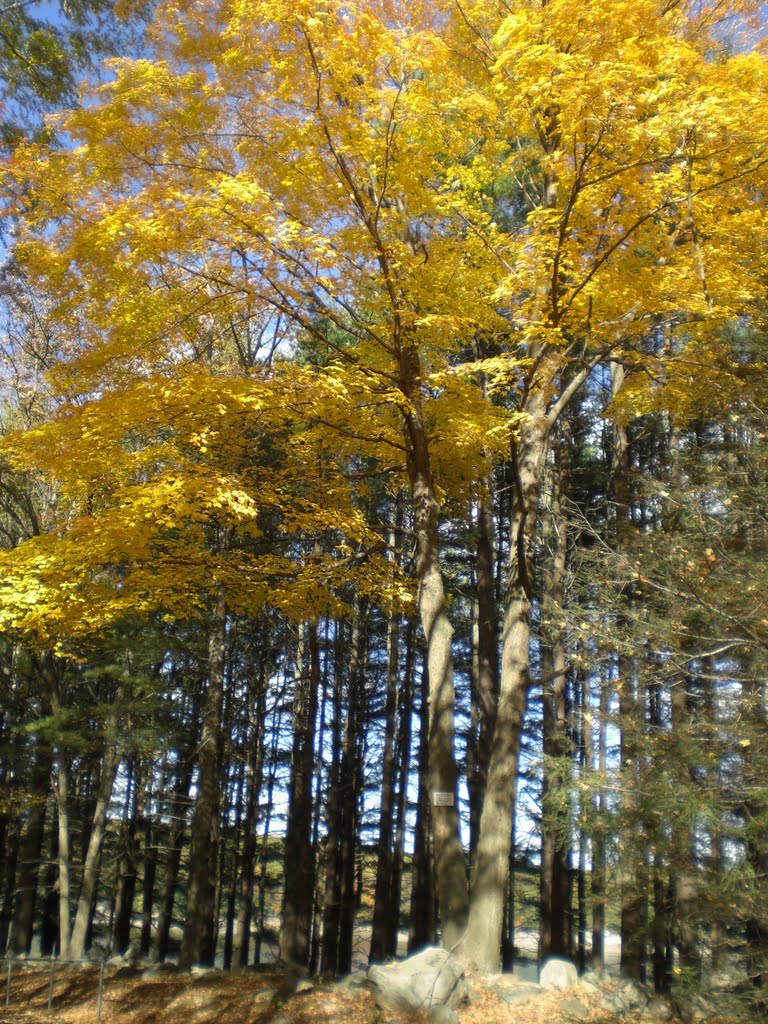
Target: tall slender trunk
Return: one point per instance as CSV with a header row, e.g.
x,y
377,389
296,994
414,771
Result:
x,y
199,941
234,867
421,928
331,892
78,941
178,813
685,881
150,869
29,853
383,905
401,803
299,860
351,789
485,676
632,869
49,923
265,836
254,773
755,812
317,803
597,881
50,672
554,902
126,868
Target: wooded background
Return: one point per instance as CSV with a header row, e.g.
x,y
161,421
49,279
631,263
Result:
x,y
383,482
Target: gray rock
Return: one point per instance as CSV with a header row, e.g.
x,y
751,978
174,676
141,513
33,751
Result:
x,y
613,1003
574,1008
303,985
431,978
158,971
519,994
265,995
558,973
202,969
724,980
129,957
356,980
636,994
201,972
588,986
593,980
659,1009
443,1015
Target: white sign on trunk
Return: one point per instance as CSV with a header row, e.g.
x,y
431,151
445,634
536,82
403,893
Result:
x,y
442,799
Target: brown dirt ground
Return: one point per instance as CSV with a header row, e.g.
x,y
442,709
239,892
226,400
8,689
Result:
x,y
226,999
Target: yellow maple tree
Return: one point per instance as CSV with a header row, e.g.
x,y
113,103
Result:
x,y
341,166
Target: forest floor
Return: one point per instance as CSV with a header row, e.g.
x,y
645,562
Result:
x,y
261,997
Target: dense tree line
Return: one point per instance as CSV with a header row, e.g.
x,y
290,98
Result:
x,y
383,479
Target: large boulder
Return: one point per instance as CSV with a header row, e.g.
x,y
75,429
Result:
x,y
558,973
432,977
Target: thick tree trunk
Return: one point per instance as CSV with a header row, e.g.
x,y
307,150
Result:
x,y
450,867
199,942
481,945
509,923
299,859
